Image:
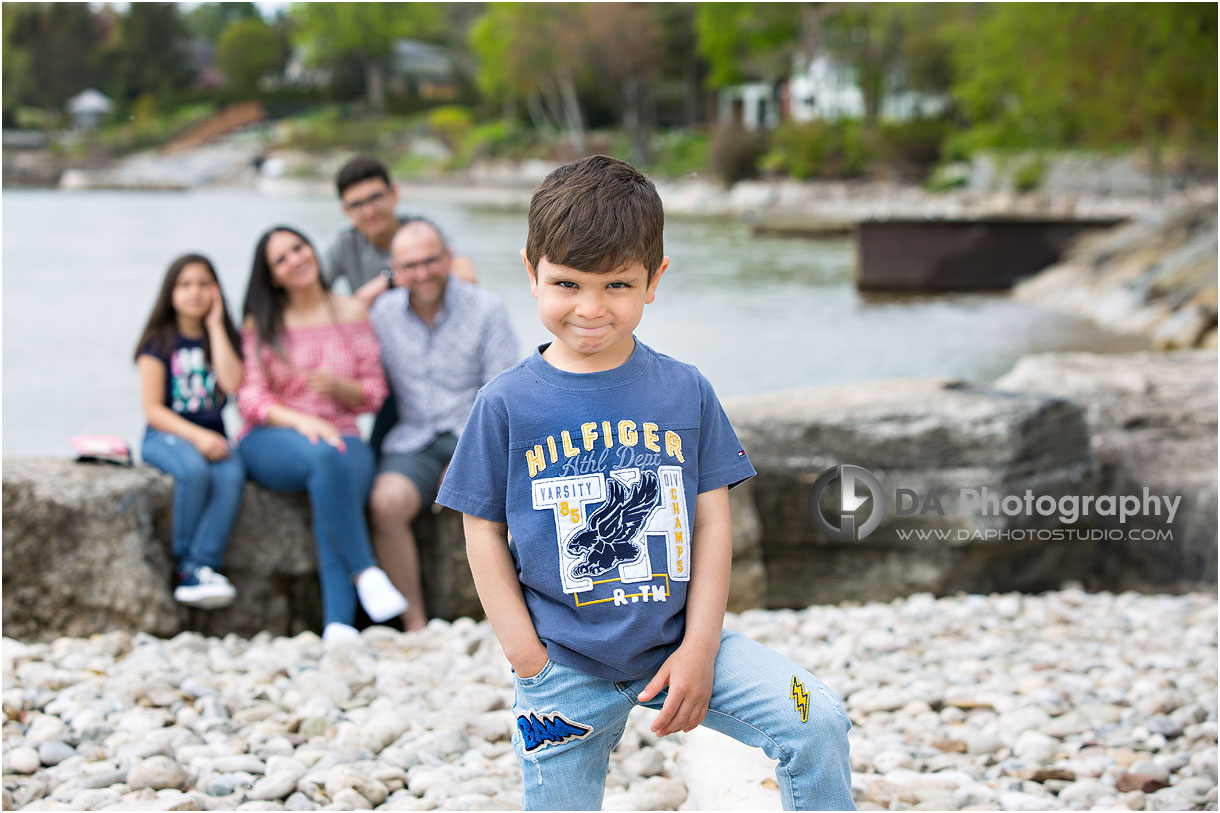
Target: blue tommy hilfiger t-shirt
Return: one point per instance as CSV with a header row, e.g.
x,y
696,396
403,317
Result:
x,y
596,476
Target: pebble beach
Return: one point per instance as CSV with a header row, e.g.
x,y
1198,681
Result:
x,y
1064,700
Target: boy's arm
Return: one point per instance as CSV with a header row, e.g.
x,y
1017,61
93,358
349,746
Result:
x,y
495,579
689,671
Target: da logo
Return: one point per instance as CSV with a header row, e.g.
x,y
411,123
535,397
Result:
x,y
538,730
843,527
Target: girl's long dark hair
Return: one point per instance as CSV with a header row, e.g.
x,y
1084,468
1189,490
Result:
x,y
264,299
162,326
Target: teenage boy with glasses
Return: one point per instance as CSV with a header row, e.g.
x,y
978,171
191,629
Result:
x,y
360,253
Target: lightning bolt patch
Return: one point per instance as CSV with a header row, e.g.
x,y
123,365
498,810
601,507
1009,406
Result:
x,y
801,698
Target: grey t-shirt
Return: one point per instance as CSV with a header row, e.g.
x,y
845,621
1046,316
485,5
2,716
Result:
x,y
352,257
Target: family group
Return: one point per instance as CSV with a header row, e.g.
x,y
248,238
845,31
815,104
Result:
x,y
604,576
413,343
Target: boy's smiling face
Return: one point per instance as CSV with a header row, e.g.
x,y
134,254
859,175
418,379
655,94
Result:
x,y
592,316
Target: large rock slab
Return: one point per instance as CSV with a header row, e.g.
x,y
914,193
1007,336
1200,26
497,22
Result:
x,y
79,556
931,437
1152,424
87,550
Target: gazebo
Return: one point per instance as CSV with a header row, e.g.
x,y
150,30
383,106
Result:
x,y
88,108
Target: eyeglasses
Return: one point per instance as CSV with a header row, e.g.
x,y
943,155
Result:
x,y
427,263
376,197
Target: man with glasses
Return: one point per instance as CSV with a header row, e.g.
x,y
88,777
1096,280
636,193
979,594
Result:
x,y
442,338
361,252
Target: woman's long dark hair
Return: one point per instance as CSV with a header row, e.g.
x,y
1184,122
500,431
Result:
x,y
264,299
162,326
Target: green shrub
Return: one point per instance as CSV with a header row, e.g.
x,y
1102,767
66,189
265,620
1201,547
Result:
x,y
1028,176
915,144
679,152
734,153
818,149
451,124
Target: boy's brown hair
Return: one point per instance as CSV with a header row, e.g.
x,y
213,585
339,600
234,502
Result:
x,y
598,215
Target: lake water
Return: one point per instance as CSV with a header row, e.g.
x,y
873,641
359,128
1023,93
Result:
x,y
755,314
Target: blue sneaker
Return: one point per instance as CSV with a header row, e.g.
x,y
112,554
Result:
x,y
204,588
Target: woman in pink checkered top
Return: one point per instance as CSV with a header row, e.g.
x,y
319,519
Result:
x,y
312,364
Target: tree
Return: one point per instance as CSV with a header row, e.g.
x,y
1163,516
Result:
x,y
625,52
209,20
151,53
248,49
1084,74
536,53
748,40
54,46
329,33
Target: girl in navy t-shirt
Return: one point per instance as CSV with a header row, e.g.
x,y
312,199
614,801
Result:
x,y
189,356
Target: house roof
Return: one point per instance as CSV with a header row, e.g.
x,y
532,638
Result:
x,y
89,101
418,58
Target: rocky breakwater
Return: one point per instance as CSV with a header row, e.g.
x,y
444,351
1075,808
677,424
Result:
x,y
1154,276
1066,700
947,456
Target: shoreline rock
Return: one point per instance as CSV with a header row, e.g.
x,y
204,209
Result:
x,y
86,548
1154,276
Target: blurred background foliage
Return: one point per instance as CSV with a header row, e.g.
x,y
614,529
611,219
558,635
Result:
x,y
647,80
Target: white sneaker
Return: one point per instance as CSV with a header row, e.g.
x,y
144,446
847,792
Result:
x,y
335,633
380,599
206,589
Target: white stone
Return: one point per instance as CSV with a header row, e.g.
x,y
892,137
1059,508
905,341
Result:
x,y
156,772
981,742
22,759
238,762
274,786
54,752
1166,799
890,760
643,763
1035,747
879,699
1203,764
348,799
1133,800
1146,767
1027,801
1083,793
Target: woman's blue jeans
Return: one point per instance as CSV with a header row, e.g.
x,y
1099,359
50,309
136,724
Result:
x,y
207,496
338,484
568,722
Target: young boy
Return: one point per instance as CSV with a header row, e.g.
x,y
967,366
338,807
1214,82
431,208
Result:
x,y
594,480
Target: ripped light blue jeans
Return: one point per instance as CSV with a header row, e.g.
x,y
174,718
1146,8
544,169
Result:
x,y
569,721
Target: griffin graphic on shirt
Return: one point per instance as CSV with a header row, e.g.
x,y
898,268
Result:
x,y
612,535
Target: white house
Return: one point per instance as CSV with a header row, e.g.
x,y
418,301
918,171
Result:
x,y
752,105
825,90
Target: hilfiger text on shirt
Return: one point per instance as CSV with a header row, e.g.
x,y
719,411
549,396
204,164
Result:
x,y
605,435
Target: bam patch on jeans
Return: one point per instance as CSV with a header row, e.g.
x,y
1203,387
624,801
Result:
x,y
549,728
